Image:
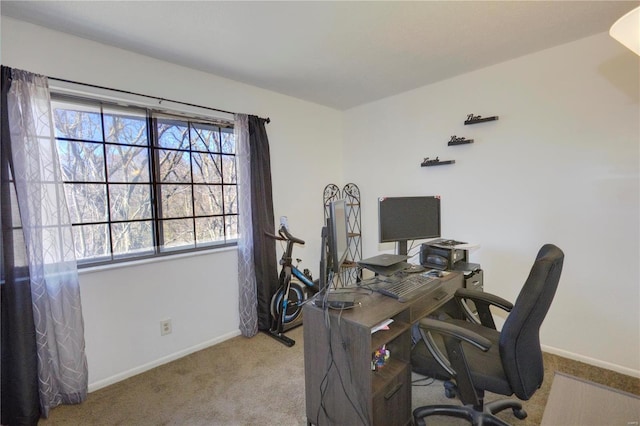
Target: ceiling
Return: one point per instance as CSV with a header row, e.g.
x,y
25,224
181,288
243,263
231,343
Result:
x,y
339,54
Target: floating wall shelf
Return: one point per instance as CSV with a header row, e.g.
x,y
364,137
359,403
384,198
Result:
x,y
436,162
475,119
459,141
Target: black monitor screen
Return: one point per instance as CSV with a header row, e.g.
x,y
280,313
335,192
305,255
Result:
x,y
338,237
402,219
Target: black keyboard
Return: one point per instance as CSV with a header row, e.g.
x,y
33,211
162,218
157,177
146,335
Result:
x,y
410,287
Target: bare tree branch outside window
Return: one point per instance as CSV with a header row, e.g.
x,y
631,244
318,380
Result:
x,y
141,183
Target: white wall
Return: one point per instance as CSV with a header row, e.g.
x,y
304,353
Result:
x,y
123,306
560,166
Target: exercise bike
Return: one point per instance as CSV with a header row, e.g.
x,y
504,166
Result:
x,y
296,287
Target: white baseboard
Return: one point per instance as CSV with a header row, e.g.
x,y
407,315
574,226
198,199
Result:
x,y
148,366
591,361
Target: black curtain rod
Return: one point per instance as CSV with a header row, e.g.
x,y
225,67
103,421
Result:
x,y
267,120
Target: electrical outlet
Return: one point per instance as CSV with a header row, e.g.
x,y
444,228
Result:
x,y
165,327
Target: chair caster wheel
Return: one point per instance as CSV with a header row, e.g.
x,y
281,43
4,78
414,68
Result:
x,y
449,389
520,413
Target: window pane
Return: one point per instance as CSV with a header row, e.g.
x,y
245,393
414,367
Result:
x,y
81,161
77,121
87,202
132,237
115,168
229,168
178,233
57,240
209,230
125,126
130,202
173,134
205,137
174,166
49,198
207,168
231,227
208,199
16,221
176,201
91,241
230,199
20,256
228,141
127,164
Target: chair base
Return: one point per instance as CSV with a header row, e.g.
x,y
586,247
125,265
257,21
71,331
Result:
x,y
468,412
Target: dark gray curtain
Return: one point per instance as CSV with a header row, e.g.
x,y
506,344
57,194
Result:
x,y
264,248
20,396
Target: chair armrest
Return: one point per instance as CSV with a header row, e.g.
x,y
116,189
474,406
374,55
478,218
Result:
x,y
482,301
481,296
456,363
455,331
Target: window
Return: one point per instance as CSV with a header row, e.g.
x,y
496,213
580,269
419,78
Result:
x,y
143,183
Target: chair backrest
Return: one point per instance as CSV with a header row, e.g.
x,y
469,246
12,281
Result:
x,y
520,336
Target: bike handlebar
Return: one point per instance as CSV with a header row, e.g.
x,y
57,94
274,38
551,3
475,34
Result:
x,y
284,235
283,231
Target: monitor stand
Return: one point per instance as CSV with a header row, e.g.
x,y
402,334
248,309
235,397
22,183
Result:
x,y
402,247
387,271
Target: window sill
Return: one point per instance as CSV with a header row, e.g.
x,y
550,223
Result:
x,y
165,258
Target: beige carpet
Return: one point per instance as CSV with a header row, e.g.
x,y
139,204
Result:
x,y
258,381
241,381
578,402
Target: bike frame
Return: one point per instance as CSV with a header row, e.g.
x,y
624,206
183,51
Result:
x,y
302,277
288,269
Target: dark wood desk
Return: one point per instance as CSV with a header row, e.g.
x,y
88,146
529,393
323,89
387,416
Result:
x,y
341,388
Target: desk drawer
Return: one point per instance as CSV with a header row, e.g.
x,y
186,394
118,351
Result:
x,y
392,404
474,281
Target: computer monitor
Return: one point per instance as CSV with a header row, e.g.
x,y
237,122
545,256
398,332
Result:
x,y
338,237
334,242
402,219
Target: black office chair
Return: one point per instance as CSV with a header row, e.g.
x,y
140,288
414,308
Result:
x,y
480,359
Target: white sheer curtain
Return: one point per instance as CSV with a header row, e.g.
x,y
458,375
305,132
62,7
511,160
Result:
x,y
246,268
62,365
